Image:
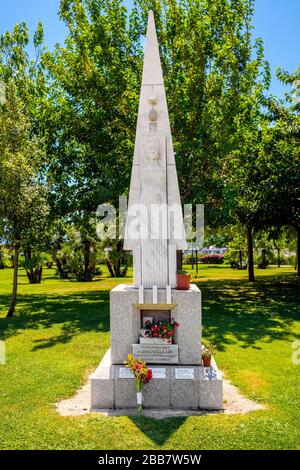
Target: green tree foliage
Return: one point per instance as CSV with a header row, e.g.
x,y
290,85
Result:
x,y
211,72
236,247
212,75
77,255
4,257
236,151
280,162
23,203
30,89
27,73
242,174
264,174
95,82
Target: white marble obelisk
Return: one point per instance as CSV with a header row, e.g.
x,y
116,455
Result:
x,y
180,381
154,229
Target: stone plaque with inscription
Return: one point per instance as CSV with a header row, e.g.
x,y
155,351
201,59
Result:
x,y
125,373
184,373
158,372
156,353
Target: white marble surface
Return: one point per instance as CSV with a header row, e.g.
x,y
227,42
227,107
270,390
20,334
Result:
x,y
141,294
154,177
168,295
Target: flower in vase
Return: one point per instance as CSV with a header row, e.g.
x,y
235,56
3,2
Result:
x,y
142,375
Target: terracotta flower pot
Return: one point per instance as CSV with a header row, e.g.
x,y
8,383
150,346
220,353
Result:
x,y
206,361
183,281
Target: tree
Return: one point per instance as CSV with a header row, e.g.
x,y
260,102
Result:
x,y
117,261
281,151
82,101
57,238
236,245
243,175
210,70
30,89
77,255
94,86
23,204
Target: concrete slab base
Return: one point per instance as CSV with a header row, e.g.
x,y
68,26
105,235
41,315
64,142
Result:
x,y
182,387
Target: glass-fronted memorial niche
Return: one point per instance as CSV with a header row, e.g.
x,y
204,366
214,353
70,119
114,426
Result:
x,y
157,326
157,338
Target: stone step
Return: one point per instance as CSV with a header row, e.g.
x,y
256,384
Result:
x,y
172,387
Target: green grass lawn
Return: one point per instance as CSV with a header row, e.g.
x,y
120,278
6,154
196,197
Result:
x,y
61,331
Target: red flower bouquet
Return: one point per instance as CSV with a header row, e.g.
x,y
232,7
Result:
x,y
165,330
142,375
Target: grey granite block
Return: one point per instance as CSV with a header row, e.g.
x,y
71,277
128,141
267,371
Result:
x,y
125,394
210,388
125,321
176,387
157,393
102,384
184,391
188,314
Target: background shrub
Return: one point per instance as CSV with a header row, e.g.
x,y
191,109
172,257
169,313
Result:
x,y
212,259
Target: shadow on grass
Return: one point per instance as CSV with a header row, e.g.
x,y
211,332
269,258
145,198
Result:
x,y
75,313
159,431
250,313
233,310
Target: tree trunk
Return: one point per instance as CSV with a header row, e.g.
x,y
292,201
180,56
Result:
x,y
119,265
278,257
60,269
34,275
179,260
110,268
124,271
87,252
241,259
117,261
13,302
250,254
298,251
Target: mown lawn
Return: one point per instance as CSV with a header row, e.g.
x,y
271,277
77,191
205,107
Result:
x,y
61,331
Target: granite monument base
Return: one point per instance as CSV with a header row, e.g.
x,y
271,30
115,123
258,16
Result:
x,y
127,311
191,387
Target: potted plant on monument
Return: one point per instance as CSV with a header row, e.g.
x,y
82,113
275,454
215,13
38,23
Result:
x,y
183,280
142,375
207,353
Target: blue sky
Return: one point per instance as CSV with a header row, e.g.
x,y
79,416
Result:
x,y
276,21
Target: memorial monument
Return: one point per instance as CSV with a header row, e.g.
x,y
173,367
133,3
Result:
x,y
154,232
